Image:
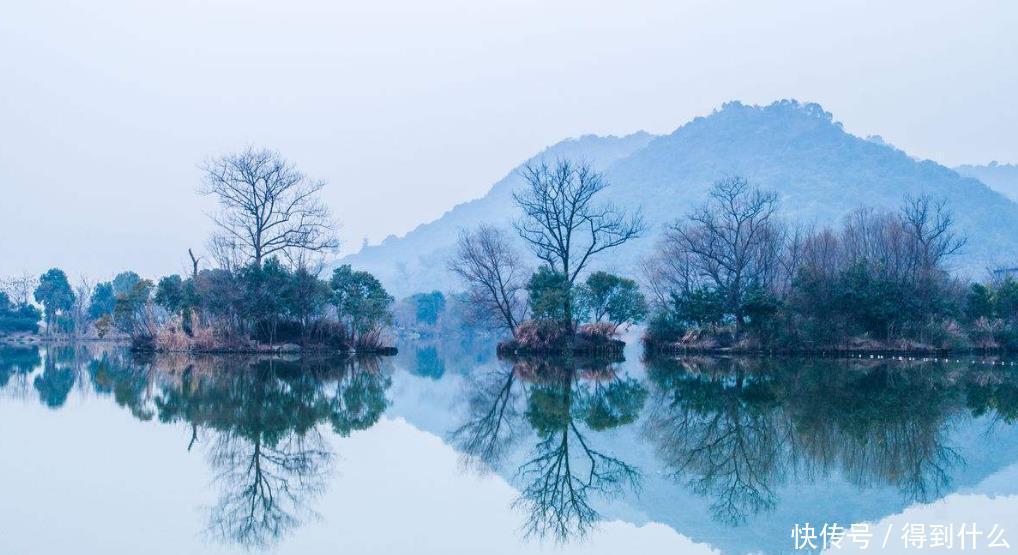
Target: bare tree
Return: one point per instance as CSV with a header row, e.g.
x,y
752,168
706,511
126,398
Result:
x,y
491,269
931,229
562,222
267,205
82,299
194,263
670,270
731,240
226,251
19,288
791,256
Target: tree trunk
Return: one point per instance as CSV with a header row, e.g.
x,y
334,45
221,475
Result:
x,y
194,264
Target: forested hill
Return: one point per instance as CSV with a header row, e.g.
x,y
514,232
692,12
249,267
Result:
x,y
1002,178
820,172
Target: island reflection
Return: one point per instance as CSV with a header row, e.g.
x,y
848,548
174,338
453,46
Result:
x,y
736,432
730,430
258,420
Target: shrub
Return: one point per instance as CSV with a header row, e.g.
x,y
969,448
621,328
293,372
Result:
x,y
172,338
984,332
1007,336
547,336
103,325
14,324
602,331
948,335
143,342
540,335
664,327
370,341
597,338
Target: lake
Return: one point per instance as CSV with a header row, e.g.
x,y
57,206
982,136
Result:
x,y
446,449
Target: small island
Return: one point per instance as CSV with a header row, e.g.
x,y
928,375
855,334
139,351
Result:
x,y
566,227
258,290
733,278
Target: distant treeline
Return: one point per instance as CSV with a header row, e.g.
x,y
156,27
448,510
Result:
x,y
732,276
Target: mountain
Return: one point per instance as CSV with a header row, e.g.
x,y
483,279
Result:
x,y
1002,178
417,261
820,172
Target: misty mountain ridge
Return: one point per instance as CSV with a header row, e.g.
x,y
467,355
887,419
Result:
x,y
1002,178
819,171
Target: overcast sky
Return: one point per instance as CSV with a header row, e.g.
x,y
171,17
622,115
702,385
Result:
x,y
409,107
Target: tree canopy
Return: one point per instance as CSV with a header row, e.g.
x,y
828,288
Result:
x,y
267,206
54,293
360,299
613,299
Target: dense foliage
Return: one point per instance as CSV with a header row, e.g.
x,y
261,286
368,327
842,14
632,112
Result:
x,y
548,293
605,297
360,300
214,309
731,275
55,294
18,317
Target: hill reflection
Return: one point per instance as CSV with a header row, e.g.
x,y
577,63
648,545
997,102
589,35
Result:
x,y
729,430
573,436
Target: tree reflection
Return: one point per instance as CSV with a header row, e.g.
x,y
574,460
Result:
x,y
735,429
358,395
428,363
130,381
17,362
719,430
261,418
563,402
258,419
265,487
996,393
492,429
56,380
878,424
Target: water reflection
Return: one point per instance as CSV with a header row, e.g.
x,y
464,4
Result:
x,y
16,363
733,438
720,433
55,383
256,418
260,421
732,431
564,400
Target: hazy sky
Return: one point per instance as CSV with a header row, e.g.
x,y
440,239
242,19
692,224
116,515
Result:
x,y
409,107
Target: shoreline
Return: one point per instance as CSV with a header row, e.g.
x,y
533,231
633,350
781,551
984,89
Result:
x,y
280,349
827,352
649,350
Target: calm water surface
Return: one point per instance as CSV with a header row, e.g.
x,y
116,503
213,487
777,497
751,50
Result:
x,y
445,449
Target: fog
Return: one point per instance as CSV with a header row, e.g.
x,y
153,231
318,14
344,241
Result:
x,y
407,108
